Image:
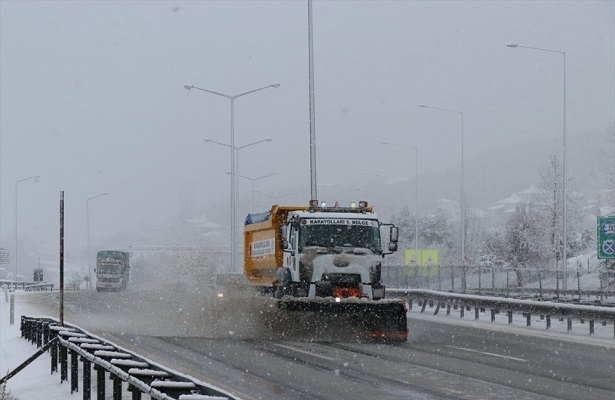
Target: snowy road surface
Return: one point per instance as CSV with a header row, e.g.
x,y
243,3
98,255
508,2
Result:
x,y
229,345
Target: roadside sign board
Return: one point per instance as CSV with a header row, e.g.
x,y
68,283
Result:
x,y
425,257
4,256
606,238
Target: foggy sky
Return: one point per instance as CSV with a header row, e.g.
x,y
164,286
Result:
x,y
92,98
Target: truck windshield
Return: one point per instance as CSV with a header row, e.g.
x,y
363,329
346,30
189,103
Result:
x,y
340,236
109,268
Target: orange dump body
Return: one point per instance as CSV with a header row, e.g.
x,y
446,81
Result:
x,y
263,254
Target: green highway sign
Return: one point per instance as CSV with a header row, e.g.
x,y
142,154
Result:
x,y
606,238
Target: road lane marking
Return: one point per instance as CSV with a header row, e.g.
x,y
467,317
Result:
x,y
305,352
488,354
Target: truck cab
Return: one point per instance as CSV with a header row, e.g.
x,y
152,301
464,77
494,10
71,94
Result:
x,y
333,251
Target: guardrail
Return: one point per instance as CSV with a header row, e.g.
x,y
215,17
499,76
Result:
x,y
567,285
39,287
465,302
122,366
27,286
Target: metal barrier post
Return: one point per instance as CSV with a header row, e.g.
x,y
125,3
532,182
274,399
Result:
x,y
569,324
33,331
100,383
136,393
12,308
591,326
39,334
579,284
479,279
74,371
510,315
428,276
476,310
63,364
601,276
548,321
54,357
87,379
45,331
117,388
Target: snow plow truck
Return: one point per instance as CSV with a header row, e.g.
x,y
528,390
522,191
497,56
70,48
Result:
x,y
325,259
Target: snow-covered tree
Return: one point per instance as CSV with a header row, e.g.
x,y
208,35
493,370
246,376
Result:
x,y
474,232
548,203
516,244
435,231
404,220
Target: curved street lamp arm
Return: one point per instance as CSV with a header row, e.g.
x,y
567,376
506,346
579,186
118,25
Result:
x,y
253,143
440,108
514,45
232,97
273,85
216,142
188,87
275,197
254,179
37,176
98,195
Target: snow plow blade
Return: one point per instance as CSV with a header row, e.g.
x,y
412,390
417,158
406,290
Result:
x,y
382,320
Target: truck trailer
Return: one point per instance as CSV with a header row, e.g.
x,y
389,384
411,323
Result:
x,y
112,270
325,259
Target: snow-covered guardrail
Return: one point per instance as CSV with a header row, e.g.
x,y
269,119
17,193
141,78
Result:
x,y
581,285
39,287
123,366
465,302
10,284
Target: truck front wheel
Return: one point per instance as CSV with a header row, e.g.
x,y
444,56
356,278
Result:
x,y
284,285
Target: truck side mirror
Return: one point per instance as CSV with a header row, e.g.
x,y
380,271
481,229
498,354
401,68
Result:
x,y
392,246
394,235
283,242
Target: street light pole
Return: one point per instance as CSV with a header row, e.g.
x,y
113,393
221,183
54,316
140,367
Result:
x,y
36,178
276,197
565,198
234,188
232,146
87,219
208,140
254,180
461,201
416,191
